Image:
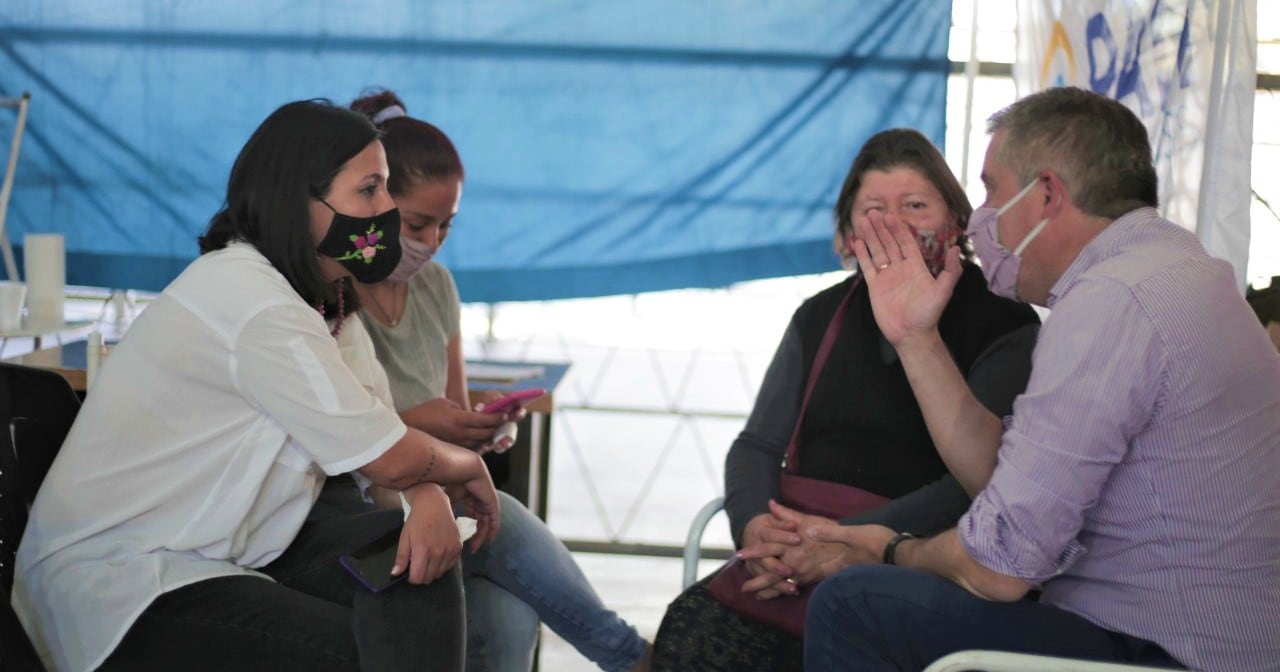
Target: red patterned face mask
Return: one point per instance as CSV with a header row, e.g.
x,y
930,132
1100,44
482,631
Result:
x,y
934,246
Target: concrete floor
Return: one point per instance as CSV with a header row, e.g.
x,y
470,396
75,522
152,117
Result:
x,y
638,588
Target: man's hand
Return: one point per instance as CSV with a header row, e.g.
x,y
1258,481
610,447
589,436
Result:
x,y
429,542
905,297
864,544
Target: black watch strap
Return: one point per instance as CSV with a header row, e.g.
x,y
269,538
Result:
x,y
892,546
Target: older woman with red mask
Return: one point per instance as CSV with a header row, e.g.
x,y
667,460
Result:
x,y
853,420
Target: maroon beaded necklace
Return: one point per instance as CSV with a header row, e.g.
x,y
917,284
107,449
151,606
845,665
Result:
x,y
342,309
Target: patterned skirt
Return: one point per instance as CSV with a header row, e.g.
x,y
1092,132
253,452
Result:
x,y
699,634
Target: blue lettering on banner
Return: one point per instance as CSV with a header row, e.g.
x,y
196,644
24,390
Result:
x,y
1130,81
1142,36
1098,30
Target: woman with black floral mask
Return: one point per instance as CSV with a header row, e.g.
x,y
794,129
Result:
x,y
172,531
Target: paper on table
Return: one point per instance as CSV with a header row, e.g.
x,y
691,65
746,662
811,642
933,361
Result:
x,y
508,373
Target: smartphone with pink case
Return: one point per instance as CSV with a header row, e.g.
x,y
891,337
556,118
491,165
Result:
x,y
516,398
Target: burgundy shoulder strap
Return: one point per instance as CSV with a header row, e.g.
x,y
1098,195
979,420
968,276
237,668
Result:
x,y
791,463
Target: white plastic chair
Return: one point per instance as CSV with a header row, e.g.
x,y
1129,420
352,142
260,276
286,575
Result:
x,y
1003,661
693,543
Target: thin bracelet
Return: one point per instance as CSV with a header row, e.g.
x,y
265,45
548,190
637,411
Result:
x,y
892,546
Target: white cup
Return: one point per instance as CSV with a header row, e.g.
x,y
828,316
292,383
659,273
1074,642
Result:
x,y
12,296
45,269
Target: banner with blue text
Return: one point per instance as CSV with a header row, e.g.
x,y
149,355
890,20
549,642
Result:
x,y
1188,69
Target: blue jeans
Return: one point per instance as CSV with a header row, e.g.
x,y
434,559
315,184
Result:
x,y
502,631
528,562
880,617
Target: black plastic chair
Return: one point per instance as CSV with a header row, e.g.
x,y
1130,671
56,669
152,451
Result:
x,y
37,408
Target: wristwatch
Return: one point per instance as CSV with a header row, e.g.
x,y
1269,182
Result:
x,y
892,546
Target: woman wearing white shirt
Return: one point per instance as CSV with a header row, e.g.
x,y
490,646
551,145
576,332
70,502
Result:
x,y
171,531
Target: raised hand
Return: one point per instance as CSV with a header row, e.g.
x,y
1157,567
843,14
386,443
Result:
x,y
905,297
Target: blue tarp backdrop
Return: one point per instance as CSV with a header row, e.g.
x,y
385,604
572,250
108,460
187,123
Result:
x,y
610,147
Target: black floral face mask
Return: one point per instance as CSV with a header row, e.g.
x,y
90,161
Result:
x,y
368,247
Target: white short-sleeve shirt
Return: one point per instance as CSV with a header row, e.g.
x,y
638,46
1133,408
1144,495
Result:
x,y
198,453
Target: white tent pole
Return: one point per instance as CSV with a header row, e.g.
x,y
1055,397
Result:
x,y
22,103
970,75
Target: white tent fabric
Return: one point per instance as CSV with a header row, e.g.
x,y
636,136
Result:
x,y
1188,69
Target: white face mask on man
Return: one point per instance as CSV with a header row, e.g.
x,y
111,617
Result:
x,y
999,265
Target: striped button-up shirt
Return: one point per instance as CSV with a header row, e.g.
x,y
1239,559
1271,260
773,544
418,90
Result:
x,y
1139,478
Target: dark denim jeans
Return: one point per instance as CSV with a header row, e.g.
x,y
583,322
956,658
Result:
x,y
314,617
880,617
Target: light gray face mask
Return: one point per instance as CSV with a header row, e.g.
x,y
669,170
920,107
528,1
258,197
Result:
x,y
414,255
999,265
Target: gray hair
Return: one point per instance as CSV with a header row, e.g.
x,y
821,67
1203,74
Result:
x,y
1098,147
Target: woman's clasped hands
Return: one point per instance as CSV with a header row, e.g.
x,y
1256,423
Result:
x,y
783,551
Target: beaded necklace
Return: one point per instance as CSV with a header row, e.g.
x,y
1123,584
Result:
x,y
342,309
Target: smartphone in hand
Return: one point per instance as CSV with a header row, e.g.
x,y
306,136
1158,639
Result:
x,y
509,401
372,563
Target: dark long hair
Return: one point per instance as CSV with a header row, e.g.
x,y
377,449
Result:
x,y
291,158
416,150
903,148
